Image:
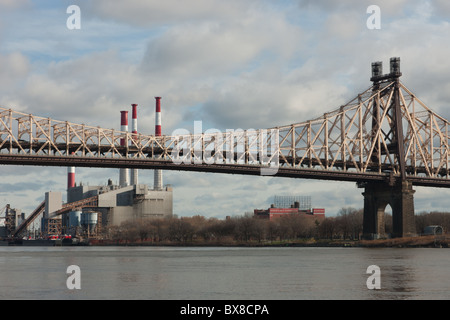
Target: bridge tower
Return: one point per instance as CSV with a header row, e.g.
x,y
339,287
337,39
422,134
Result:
x,y
398,193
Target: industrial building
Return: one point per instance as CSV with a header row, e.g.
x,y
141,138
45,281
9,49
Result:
x,y
285,205
11,218
126,203
89,210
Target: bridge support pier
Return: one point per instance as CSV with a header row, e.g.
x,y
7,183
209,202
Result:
x,y
400,197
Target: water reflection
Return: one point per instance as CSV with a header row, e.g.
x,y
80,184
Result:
x,y
222,273
128,277
398,273
400,282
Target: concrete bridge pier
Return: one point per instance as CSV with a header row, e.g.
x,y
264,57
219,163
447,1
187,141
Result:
x,y
400,197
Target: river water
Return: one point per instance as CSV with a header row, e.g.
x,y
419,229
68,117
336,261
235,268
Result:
x,y
206,273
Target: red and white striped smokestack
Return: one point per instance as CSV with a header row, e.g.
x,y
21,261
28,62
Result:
x,y
134,172
70,177
158,117
123,124
123,176
134,118
158,184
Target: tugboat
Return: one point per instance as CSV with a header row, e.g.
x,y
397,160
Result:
x,y
50,241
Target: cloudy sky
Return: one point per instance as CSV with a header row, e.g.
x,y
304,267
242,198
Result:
x,y
230,64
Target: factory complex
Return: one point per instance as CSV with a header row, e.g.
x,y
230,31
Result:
x,y
90,210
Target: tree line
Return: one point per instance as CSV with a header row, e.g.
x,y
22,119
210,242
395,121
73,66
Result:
x,y
346,225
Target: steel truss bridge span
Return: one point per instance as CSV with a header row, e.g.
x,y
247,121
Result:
x,y
384,134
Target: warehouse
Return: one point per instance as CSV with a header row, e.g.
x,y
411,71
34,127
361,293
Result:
x,y
285,205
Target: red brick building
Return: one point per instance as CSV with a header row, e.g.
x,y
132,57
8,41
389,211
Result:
x,y
273,213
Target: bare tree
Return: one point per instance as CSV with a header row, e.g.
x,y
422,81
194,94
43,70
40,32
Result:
x,y
244,228
272,230
349,223
327,228
180,230
129,231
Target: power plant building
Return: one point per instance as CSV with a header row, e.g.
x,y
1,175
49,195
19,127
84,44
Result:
x,y
90,210
118,204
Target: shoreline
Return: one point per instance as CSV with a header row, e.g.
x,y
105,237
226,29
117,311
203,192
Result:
x,y
410,242
433,241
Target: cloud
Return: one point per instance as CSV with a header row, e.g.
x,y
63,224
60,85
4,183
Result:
x,y
196,51
431,199
188,65
212,50
344,25
15,67
24,187
20,187
146,13
391,7
13,4
441,7
286,103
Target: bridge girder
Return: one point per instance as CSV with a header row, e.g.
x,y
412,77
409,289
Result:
x,y
353,143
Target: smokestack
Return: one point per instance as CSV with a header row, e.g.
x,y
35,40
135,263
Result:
x,y
134,120
134,172
70,177
158,117
123,124
158,185
123,177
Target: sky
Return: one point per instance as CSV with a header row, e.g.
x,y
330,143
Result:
x,y
230,64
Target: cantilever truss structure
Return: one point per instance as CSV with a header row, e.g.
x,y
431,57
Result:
x,y
356,142
361,136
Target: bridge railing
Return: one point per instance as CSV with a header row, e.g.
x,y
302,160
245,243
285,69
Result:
x,y
356,137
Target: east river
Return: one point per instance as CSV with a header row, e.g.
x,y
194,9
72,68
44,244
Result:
x,y
221,273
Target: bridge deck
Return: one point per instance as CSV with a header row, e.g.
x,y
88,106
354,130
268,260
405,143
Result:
x,y
357,142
